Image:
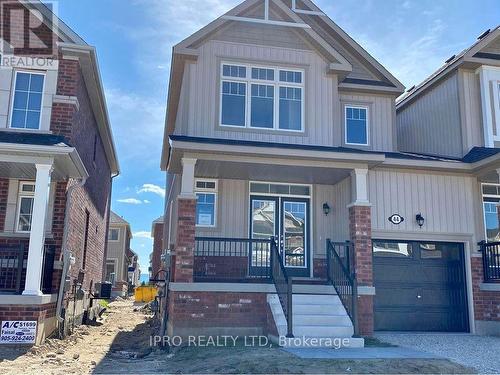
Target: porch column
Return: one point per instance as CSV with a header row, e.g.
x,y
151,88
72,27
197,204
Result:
x,y
186,223
361,236
37,233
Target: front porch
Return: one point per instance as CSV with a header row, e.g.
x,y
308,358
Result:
x,y
252,254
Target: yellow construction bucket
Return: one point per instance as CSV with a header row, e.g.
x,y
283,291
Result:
x,y
145,293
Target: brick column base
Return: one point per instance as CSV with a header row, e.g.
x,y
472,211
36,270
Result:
x,y
360,228
184,246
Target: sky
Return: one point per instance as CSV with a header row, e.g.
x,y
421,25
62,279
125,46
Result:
x,y
134,40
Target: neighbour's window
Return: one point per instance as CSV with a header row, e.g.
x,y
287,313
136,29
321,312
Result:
x,y
491,200
25,206
114,234
356,125
27,102
206,206
110,271
264,98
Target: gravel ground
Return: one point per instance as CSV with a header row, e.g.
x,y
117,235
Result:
x,y
479,352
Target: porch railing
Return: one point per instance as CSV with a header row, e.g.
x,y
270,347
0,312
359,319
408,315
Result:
x,y
491,261
232,259
283,284
13,260
341,274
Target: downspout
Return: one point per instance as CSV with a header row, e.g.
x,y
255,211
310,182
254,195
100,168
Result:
x,y
66,253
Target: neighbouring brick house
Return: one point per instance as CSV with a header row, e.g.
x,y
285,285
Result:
x,y
158,248
57,161
118,255
293,205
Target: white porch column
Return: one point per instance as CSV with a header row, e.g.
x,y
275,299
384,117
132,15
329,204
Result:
x,y
37,233
359,186
187,183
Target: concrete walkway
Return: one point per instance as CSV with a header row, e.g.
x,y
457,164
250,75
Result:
x,y
479,352
361,353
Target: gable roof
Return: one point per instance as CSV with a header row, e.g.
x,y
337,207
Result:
x,y
310,21
470,55
71,44
114,218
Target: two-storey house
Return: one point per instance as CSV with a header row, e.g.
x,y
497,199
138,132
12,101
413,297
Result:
x,y
118,255
57,160
290,209
455,113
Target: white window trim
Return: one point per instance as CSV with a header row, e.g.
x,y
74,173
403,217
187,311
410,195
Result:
x,y
276,83
280,195
115,267
13,93
494,196
356,106
215,192
20,195
496,109
109,235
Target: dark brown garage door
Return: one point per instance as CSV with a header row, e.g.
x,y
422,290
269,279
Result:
x,y
420,286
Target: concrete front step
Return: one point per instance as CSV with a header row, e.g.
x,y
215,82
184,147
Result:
x,y
323,331
314,299
319,309
321,320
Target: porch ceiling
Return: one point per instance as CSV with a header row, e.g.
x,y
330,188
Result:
x,y
269,172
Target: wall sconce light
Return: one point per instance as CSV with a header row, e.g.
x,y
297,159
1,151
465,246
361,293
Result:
x,y
326,209
420,220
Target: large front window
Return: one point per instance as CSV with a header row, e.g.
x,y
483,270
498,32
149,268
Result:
x,y
27,102
491,201
262,98
206,203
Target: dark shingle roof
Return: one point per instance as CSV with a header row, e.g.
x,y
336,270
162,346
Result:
x,y
38,139
476,154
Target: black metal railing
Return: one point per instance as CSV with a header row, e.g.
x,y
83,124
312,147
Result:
x,y
283,284
491,261
232,259
341,273
13,262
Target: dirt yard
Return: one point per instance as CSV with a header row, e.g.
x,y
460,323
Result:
x,y
120,344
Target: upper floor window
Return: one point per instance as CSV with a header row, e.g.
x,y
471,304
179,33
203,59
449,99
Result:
x,y
25,206
356,125
27,102
262,98
491,201
206,206
114,234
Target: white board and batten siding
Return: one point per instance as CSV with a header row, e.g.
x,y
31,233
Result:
x,y
449,203
431,124
199,105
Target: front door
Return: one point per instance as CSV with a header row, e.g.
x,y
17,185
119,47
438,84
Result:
x,y
287,219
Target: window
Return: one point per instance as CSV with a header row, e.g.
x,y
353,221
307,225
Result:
x,y
110,271
27,103
25,206
491,201
114,234
206,206
262,98
392,249
356,125
280,189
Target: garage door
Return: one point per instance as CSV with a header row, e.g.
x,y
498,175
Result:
x,y
420,286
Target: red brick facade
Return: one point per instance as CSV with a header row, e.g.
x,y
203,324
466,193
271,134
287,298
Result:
x,y
486,303
157,248
361,237
191,310
77,123
185,243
